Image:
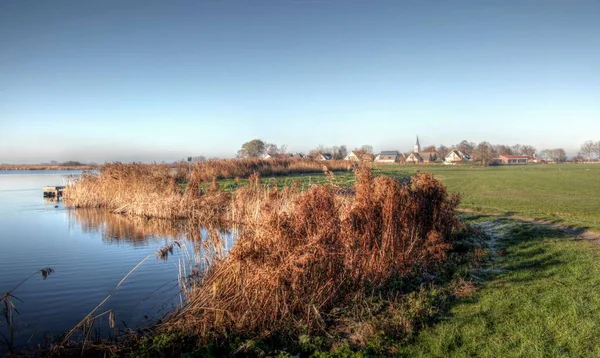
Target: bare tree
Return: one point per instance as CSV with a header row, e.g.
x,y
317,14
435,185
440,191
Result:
x,y
282,149
466,147
588,150
367,149
430,148
557,155
528,150
339,153
443,150
517,149
271,149
484,153
342,152
502,149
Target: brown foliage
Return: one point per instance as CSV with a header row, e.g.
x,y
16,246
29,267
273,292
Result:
x,y
301,254
243,168
298,255
148,190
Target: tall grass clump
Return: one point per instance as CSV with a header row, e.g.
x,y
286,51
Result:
x,y
301,256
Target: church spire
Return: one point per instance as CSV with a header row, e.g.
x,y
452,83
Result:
x,y
417,147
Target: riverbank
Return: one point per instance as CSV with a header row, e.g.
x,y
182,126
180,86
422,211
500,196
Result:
x,y
508,286
326,259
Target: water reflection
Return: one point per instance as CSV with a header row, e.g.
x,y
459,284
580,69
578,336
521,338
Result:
x,y
209,242
91,250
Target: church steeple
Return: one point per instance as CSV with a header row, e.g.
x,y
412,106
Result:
x,y
417,147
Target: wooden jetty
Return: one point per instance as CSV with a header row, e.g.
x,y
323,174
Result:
x,y
53,191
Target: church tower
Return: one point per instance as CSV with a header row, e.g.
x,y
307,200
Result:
x,y
417,147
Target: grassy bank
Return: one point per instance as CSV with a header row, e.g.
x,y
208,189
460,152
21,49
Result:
x,y
539,298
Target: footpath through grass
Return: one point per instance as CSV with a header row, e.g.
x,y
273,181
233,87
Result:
x,y
539,298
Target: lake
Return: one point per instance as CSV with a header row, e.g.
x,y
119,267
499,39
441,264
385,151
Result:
x,y
90,252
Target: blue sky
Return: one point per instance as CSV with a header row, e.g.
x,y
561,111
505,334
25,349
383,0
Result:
x,y
144,80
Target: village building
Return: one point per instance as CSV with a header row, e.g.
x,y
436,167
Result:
x,y
390,156
353,156
513,159
456,156
417,156
359,156
422,158
414,158
323,156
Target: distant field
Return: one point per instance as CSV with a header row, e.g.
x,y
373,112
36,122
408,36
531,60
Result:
x,y
566,193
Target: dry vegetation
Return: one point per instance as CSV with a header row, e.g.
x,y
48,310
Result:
x,y
147,190
302,259
237,168
301,255
154,190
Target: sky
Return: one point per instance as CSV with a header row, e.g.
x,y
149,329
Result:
x,y
133,80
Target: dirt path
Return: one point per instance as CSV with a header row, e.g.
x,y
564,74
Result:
x,y
582,234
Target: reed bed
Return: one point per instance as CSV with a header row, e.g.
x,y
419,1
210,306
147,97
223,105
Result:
x,y
301,255
146,190
243,168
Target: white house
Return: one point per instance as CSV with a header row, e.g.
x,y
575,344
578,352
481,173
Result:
x,y
456,156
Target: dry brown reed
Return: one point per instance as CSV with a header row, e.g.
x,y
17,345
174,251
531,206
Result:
x,y
300,254
243,168
147,190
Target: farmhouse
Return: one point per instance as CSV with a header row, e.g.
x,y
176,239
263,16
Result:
x,y
353,156
359,156
391,156
323,156
414,158
297,156
422,157
514,159
456,156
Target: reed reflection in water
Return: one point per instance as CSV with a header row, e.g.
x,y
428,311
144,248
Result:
x,y
209,242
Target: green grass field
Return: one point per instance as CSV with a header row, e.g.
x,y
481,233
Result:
x,y
540,297
568,194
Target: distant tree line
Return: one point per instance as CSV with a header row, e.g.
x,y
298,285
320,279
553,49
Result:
x,y
483,153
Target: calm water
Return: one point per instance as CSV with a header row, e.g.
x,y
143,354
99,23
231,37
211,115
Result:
x,y
90,251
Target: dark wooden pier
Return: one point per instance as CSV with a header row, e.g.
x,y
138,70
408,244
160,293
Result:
x,y
53,191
